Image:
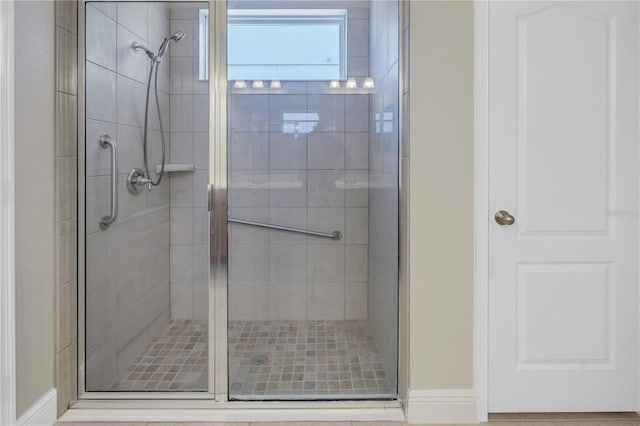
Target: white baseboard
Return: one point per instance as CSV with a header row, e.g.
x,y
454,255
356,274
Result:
x,y
43,412
441,406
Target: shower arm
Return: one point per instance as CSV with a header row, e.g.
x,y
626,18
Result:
x,y
137,46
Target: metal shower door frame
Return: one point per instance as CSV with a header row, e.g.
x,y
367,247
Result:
x,y
217,394
217,200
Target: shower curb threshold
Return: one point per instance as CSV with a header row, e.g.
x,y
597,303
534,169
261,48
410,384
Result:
x,y
242,412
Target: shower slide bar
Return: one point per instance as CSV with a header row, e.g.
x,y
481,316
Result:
x,y
335,235
107,142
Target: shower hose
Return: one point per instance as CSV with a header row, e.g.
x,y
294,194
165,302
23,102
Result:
x,y
155,64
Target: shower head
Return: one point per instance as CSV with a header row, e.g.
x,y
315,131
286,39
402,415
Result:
x,y
175,37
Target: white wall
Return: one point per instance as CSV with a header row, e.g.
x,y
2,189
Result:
x,y
127,265
34,192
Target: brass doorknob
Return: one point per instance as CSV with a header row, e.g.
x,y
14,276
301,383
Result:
x,y
504,218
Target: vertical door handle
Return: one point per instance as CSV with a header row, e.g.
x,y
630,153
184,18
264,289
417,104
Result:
x,y
210,197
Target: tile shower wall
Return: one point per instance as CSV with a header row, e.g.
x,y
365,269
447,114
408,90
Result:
x,y
127,265
383,180
66,203
315,180
189,144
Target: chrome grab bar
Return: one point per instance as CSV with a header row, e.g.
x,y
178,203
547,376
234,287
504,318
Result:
x,y
107,142
335,235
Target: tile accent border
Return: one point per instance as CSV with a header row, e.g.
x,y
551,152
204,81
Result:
x,y
42,412
66,200
442,406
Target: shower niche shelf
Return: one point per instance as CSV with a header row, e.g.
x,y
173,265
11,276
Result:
x,y
176,168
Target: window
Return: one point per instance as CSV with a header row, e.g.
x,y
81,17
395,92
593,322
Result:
x,y
284,44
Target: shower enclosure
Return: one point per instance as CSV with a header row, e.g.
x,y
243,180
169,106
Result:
x,y
240,198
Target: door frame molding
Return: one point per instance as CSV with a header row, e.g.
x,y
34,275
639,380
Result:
x,y
481,207
7,217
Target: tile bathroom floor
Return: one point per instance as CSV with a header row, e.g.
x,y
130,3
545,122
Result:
x,y
175,361
267,360
305,360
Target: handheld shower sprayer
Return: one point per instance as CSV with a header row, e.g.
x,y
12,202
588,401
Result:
x,y
175,37
137,177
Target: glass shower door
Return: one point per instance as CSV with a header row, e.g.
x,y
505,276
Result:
x,y
312,200
145,232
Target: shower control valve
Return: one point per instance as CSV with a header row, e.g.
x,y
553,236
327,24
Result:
x,y
137,179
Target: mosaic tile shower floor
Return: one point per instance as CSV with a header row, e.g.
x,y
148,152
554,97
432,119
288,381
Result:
x,y
175,361
267,360
281,359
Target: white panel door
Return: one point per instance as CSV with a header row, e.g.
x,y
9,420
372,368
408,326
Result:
x,y
563,156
